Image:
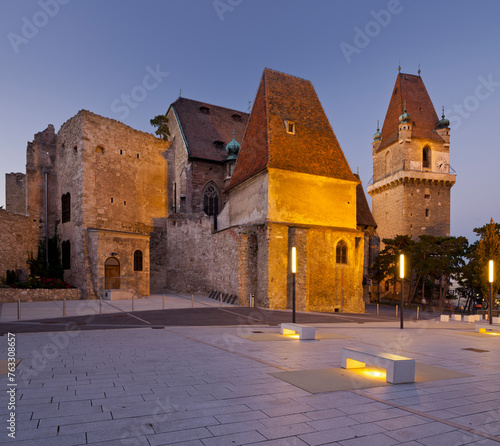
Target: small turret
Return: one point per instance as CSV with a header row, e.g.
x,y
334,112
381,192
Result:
x,y
443,129
377,138
405,126
232,149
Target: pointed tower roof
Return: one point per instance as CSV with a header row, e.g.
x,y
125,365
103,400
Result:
x,y
309,146
410,89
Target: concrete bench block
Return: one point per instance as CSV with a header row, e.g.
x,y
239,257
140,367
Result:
x,y
496,320
470,318
305,332
445,318
399,369
456,317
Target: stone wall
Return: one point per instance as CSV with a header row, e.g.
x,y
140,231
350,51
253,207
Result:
x,y
39,294
18,238
15,193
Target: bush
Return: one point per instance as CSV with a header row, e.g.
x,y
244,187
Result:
x,y
43,282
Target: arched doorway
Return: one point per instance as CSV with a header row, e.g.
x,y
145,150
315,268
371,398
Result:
x,y
112,274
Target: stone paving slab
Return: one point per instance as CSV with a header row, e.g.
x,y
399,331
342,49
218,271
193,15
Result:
x,y
208,386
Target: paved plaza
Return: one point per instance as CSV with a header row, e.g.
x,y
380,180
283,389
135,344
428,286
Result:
x,y
219,385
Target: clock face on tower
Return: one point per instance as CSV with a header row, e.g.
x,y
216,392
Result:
x,y
441,164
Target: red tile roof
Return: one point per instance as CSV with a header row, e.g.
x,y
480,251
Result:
x,y
410,88
313,149
202,129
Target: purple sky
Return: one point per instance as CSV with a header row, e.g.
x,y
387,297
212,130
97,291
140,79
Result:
x,y
128,60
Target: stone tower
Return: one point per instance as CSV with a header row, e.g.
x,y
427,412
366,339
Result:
x,y
411,165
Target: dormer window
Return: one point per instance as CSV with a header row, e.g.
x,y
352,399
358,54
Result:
x,y
290,127
205,110
237,117
219,144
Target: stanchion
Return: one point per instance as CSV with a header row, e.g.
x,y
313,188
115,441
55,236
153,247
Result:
x,y
397,310
220,299
418,310
64,307
163,301
192,300
377,309
100,304
19,309
132,302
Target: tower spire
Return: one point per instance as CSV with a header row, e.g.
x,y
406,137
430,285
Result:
x,y
419,71
399,66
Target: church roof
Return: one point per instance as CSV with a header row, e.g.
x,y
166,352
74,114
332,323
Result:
x,y
410,90
208,128
364,216
311,147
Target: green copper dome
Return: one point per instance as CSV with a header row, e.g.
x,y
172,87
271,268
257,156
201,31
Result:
x,y
405,117
443,122
377,136
232,149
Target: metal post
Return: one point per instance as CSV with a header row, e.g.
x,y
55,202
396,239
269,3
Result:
x,y
100,304
163,301
64,307
192,300
132,301
220,294
293,297
19,309
378,309
491,303
418,309
396,311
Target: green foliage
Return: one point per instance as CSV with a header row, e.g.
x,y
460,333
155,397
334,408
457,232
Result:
x,y
38,264
486,249
43,282
161,124
11,277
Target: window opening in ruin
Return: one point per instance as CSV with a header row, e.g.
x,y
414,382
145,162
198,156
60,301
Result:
x,y
137,156
290,127
427,196
427,212
341,252
66,254
75,149
66,207
138,260
111,200
100,150
211,199
121,152
111,274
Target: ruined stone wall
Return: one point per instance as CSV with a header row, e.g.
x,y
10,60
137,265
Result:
x,y
15,193
37,295
18,238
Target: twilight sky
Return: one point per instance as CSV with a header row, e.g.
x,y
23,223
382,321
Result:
x,y
129,59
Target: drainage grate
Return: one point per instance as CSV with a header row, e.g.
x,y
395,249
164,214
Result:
x,y
257,332
477,350
120,315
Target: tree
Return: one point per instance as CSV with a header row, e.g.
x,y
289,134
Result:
x,y
161,124
488,248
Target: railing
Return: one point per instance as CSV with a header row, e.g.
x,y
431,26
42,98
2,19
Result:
x,y
411,166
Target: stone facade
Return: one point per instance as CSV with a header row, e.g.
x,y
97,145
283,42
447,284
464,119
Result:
x,y
18,238
37,295
15,193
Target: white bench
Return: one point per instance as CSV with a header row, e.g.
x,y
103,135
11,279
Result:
x,y
398,368
304,332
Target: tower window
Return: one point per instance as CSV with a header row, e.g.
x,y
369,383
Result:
x,y
121,152
211,199
427,212
138,260
66,208
290,127
341,252
426,156
427,196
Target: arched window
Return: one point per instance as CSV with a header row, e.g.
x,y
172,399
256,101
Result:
x,y
66,254
426,156
137,260
211,199
341,252
66,207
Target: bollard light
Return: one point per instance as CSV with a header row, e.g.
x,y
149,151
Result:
x,y
402,276
490,278
294,271
294,260
490,271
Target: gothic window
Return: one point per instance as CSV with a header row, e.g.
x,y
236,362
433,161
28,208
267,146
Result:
x,y
426,156
66,207
211,199
341,252
138,260
66,254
